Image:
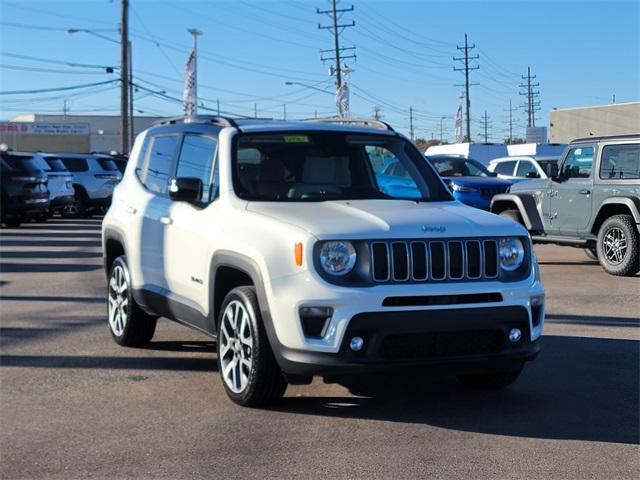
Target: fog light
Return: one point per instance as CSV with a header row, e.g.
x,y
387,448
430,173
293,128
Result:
x,y
514,335
356,344
537,301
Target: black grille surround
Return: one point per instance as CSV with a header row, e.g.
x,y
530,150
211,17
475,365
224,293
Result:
x,y
426,261
439,260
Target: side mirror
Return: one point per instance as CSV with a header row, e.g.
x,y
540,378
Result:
x,y
532,175
551,169
185,189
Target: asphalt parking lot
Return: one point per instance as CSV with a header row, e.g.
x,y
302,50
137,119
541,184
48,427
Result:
x,y
74,405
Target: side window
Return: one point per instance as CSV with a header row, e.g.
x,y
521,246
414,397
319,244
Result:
x,y
196,160
75,164
620,162
158,169
578,163
505,168
524,167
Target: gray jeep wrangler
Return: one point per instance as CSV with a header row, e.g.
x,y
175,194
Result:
x,y
590,201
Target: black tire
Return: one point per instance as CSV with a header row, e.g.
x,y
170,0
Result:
x,y
491,381
512,215
265,382
13,222
591,253
42,217
139,326
614,259
78,208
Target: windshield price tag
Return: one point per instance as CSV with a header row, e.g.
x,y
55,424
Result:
x,y
296,139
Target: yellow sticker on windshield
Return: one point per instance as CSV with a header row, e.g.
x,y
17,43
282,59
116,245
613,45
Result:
x,y
296,139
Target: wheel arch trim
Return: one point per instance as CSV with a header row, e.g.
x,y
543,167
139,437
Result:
x,y
525,204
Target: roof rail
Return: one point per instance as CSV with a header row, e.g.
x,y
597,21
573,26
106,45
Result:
x,y
606,137
365,122
214,119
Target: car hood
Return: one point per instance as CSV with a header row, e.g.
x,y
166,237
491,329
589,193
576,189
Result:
x,y
487,182
530,185
361,219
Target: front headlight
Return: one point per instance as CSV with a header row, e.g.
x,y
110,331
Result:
x,y
337,257
461,188
511,252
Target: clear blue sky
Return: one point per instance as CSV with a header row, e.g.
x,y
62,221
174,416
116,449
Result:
x,y
582,53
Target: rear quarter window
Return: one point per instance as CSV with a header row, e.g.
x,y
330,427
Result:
x,y
76,164
620,162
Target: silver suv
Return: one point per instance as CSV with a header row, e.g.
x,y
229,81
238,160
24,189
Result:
x,y
94,177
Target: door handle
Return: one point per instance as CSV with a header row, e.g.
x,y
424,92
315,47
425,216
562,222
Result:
x,y
166,220
584,191
131,209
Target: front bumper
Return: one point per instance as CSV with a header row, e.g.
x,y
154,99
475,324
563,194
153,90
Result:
x,y
465,341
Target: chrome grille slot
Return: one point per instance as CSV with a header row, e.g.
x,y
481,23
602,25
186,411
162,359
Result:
x,y
419,260
437,253
456,259
400,261
490,258
380,261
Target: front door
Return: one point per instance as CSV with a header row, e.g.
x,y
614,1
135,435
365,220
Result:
x,y
192,229
571,197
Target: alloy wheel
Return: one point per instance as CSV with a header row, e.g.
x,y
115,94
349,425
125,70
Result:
x,y
614,245
118,300
236,345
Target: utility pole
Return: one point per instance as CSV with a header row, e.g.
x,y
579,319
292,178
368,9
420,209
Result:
x,y
195,33
510,110
532,105
336,28
218,106
441,119
124,77
64,110
485,126
466,69
376,112
411,132
284,111
131,137
255,110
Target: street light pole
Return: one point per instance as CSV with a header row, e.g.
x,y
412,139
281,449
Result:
x,y
195,33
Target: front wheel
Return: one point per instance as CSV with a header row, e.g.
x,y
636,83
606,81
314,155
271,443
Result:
x,y
618,249
493,381
130,326
249,371
512,215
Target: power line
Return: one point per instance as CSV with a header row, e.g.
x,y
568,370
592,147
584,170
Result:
x,y
56,89
466,69
108,68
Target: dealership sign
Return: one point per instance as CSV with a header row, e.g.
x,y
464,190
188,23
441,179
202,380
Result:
x,y
24,128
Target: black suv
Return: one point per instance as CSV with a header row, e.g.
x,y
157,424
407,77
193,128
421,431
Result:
x,y
23,189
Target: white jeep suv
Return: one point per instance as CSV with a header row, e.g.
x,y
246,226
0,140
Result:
x,y
285,242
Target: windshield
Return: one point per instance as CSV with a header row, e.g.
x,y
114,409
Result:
x,y
318,166
460,167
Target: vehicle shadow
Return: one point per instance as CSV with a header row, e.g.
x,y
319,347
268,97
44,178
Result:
x,y
183,346
564,263
578,389
47,267
593,320
199,364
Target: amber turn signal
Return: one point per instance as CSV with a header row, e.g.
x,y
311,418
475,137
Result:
x,y
298,254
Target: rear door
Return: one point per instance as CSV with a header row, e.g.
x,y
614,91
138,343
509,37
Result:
x,y
152,210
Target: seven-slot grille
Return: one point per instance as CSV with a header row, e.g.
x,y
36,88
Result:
x,y
434,260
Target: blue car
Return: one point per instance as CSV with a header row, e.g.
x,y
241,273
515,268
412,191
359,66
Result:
x,y
469,180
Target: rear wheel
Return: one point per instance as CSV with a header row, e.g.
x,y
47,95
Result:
x,y
491,380
618,249
130,326
249,371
